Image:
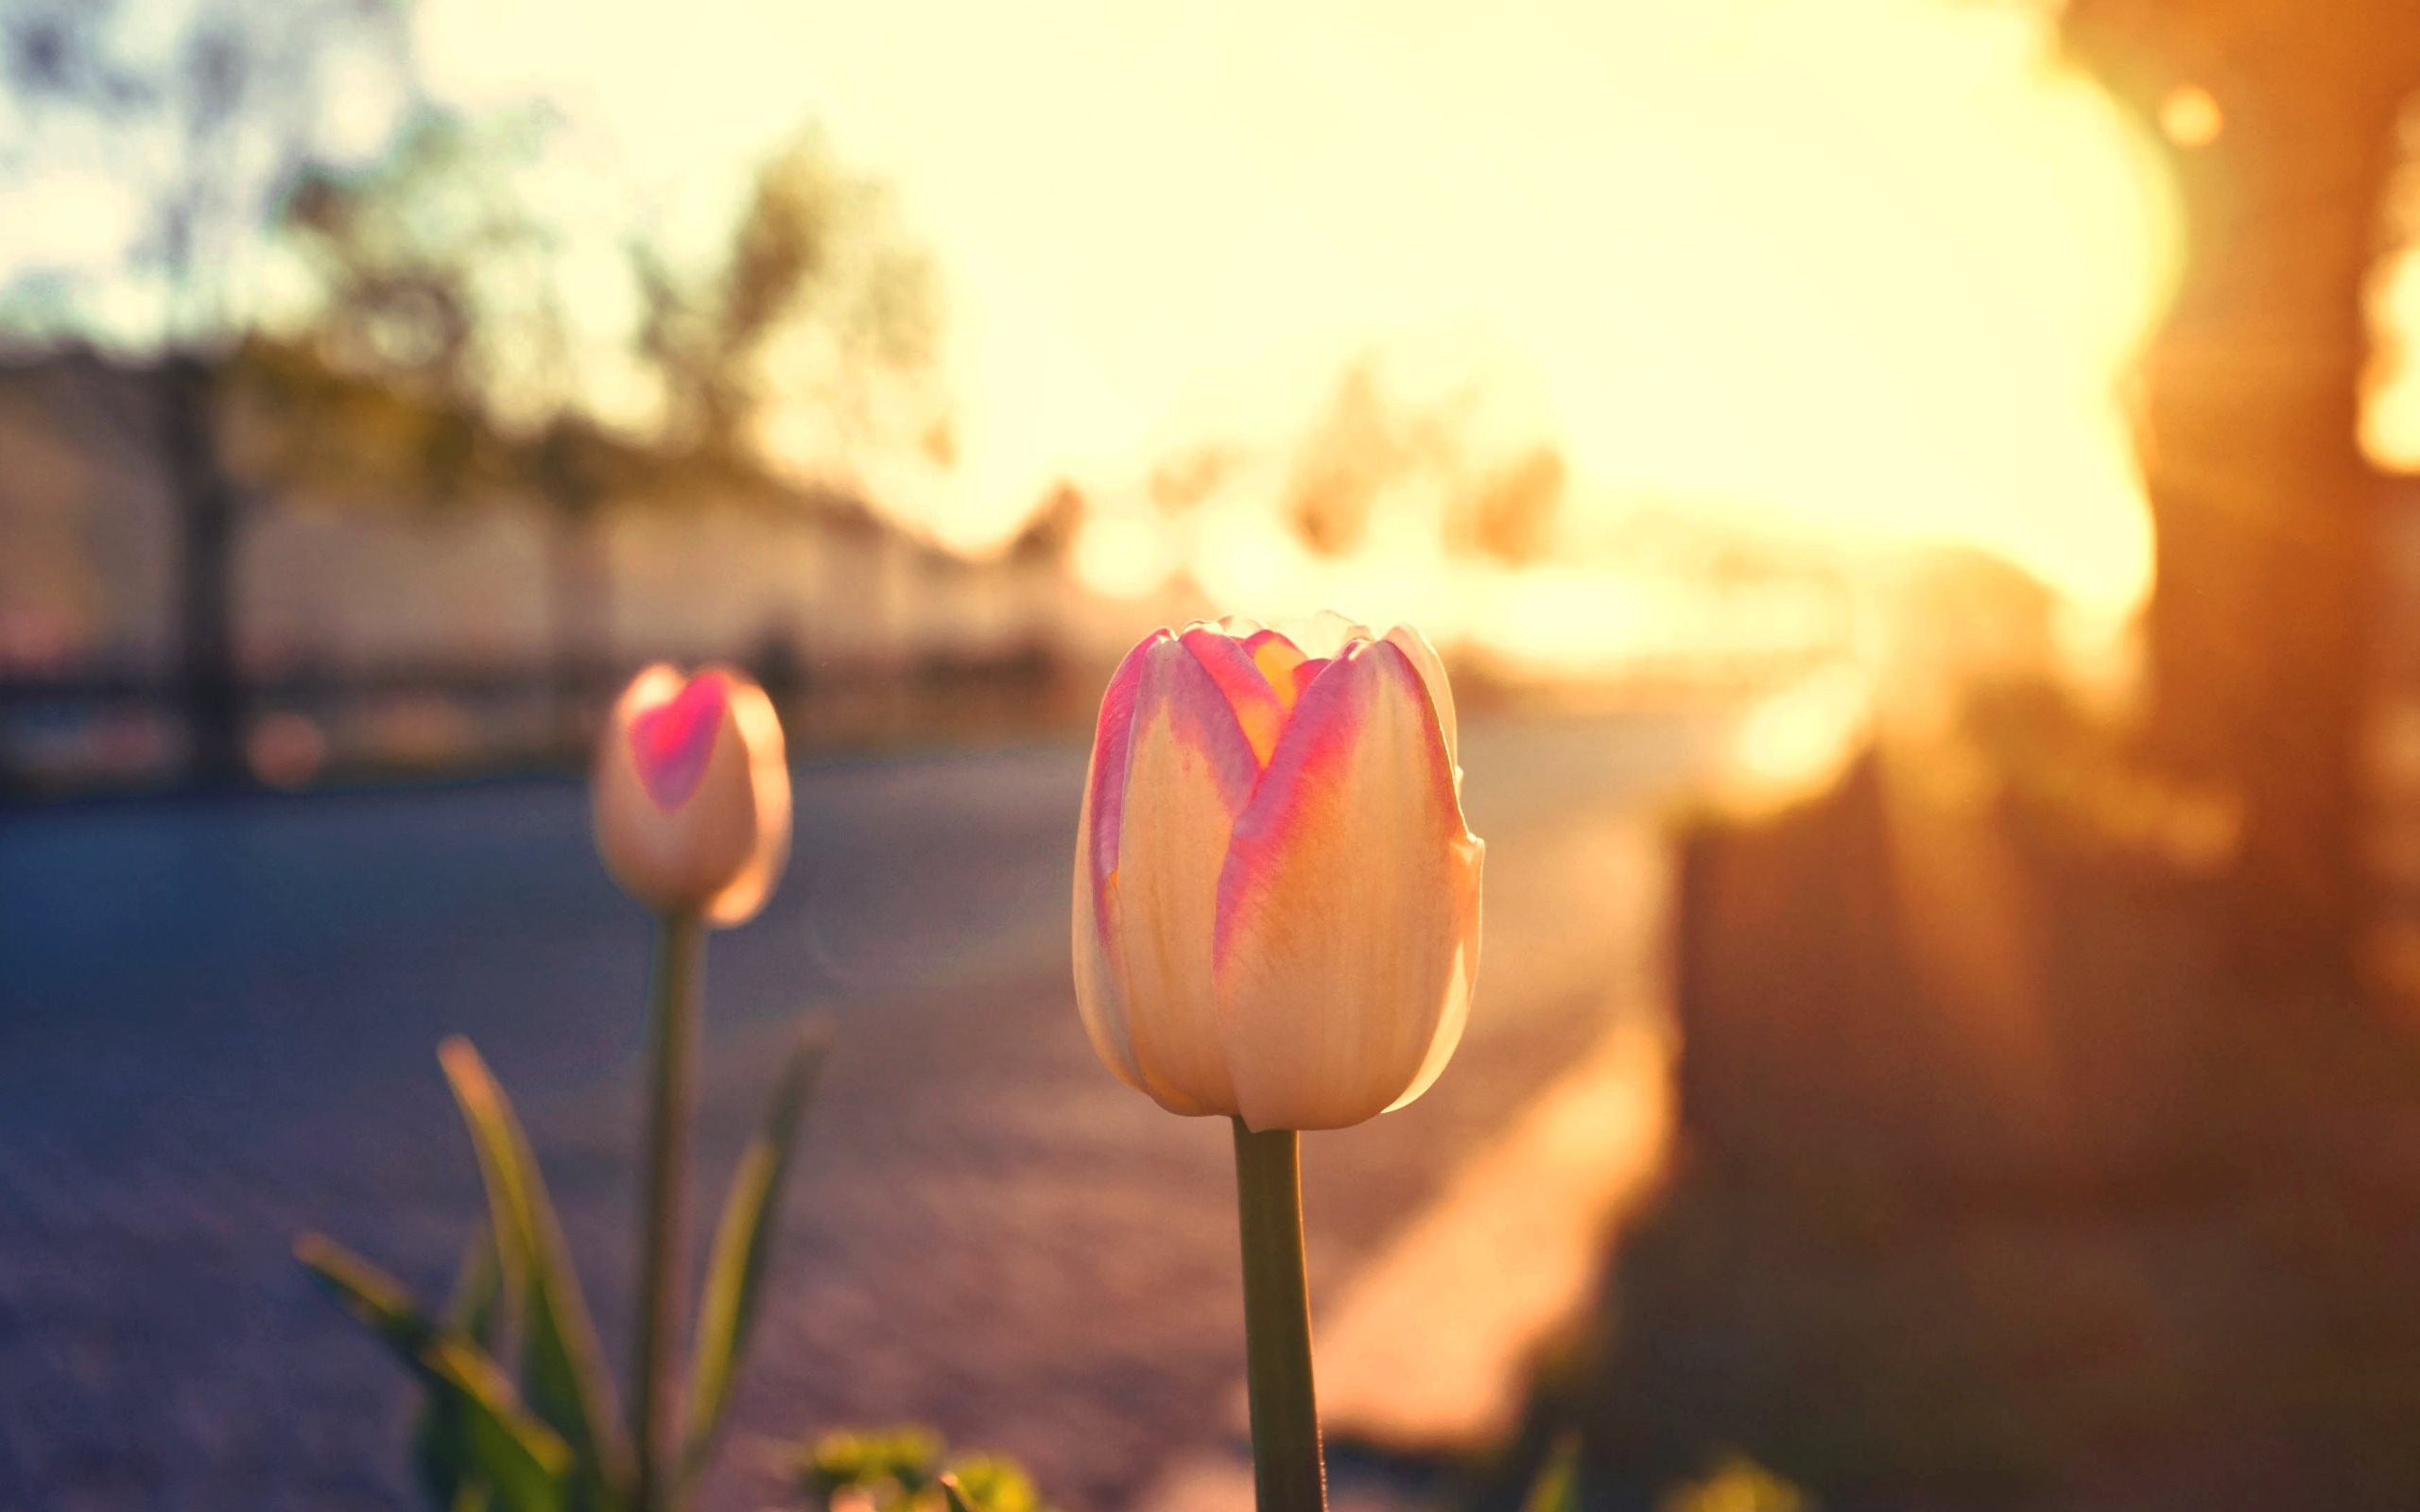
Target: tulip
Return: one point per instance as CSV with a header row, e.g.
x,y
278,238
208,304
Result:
x,y
692,804
1277,919
1277,901
692,795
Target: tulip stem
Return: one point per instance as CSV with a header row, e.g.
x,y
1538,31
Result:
x,y
673,998
1287,1473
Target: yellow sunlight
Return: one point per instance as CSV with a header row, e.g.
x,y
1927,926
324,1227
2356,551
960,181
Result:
x,y
1868,268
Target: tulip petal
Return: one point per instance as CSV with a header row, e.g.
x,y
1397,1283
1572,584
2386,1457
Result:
x,y
1347,931
671,741
1189,773
1099,991
1276,657
690,796
1305,673
1422,656
1326,634
752,732
1450,1024
1256,705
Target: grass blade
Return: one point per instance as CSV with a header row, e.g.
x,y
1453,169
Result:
x,y
743,1240
1557,1487
519,1459
476,1308
441,1448
562,1365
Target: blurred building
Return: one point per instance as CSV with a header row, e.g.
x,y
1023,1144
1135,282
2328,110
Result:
x,y
373,578
475,589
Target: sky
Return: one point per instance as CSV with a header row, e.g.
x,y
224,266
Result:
x,y
1872,269
1873,264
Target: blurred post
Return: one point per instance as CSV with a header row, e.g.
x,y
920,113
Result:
x,y
205,505
2263,627
579,615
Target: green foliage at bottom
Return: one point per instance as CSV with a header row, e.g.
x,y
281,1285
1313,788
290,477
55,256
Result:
x,y
519,1414
1737,1485
907,1469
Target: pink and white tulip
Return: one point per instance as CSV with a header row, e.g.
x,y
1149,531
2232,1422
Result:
x,y
1277,901
692,793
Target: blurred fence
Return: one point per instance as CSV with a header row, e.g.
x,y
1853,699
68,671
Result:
x,y
116,728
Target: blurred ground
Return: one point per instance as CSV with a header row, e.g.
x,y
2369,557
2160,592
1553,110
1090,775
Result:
x,y
1995,1186
218,1028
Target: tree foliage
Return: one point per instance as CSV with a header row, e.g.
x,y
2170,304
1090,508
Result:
x,y
205,113
822,300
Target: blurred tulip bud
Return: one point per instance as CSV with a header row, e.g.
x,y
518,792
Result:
x,y
692,793
1277,902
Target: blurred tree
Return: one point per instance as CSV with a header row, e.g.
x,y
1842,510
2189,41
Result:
x,y
1184,479
434,356
1510,513
824,304
1049,535
206,113
385,278
1366,442
436,282
427,268
2283,115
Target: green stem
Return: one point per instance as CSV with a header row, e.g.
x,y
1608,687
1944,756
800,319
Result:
x,y
673,998
1287,1474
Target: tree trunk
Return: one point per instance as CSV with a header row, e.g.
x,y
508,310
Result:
x,y
2263,622
2261,643
2263,627
206,509
579,619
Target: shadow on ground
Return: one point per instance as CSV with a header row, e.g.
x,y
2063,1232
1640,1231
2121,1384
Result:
x,y
1994,1190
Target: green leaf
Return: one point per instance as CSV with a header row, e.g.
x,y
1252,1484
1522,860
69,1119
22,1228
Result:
x,y
560,1361
474,1311
1737,1485
441,1448
994,1484
521,1458
955,1494
743,1242
1557,1487
885,1464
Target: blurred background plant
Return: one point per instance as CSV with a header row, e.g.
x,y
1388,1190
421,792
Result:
x,y
691,799
518,1411
337,289
1737,1485
903,1469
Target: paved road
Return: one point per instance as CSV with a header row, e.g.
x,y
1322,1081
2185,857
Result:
x,y
216,1030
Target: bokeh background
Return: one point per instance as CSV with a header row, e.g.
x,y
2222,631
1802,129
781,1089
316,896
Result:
x,y
1915,495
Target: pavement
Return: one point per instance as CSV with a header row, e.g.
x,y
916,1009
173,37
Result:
x,y
217,1023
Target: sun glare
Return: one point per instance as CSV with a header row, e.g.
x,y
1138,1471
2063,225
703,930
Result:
x,y
1873,268
2189,117
1877,265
